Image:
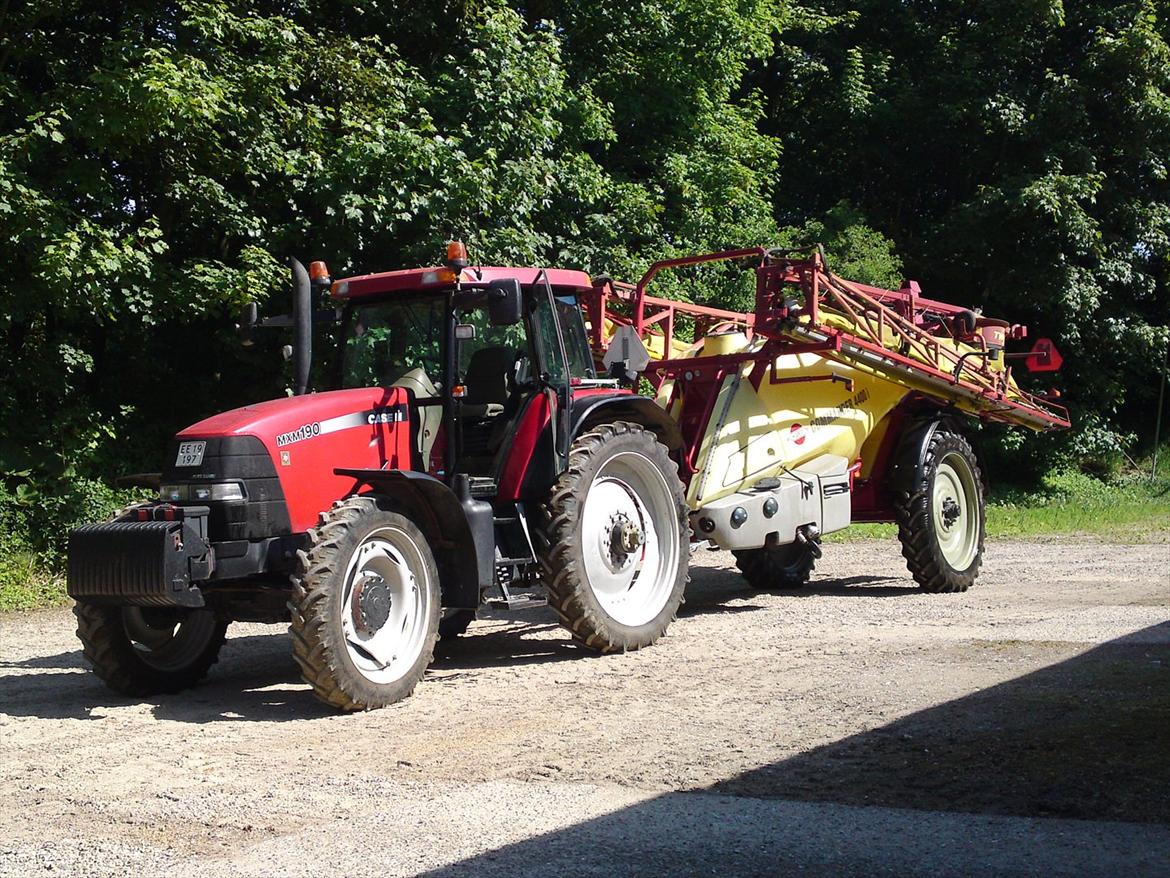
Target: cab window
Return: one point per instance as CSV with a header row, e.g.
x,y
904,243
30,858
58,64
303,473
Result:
x,y
577,351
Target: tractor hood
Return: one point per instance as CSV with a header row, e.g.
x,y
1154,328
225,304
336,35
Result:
x,y
300,441
294,419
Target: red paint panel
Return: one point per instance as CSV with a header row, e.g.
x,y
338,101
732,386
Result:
x,y
523,445
309,436
533,423
429,279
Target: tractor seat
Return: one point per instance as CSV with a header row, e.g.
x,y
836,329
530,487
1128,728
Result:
x,y
487,381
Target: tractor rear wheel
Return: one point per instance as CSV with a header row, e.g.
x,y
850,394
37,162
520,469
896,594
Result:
x,y
618,539
149,650
365,606
939,508
776,567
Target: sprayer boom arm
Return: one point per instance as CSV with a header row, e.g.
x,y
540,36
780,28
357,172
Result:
x,y
940,350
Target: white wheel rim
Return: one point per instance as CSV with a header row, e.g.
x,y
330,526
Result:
x,y
389,560
167,639
955,511
630,496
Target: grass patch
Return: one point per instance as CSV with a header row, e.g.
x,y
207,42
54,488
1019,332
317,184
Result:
x,y
1132,508
27,582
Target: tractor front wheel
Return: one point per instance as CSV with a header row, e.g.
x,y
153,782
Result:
x,y
618,539
940,511
149,650
365,606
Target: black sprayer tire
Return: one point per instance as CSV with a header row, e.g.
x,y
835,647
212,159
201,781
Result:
x,y
455,622
776,567
365,606
616,539
148,650
939,507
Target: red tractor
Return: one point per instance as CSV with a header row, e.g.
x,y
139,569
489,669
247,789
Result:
x,y
468,451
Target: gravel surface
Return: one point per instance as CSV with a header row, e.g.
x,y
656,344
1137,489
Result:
x,y
856,728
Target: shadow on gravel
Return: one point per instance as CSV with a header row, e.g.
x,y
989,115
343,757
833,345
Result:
x,y
712,585
1085,738
71,659
255,679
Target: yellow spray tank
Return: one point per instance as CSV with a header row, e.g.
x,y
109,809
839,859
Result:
x,y
830,402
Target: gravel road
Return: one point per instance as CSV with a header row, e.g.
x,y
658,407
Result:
x,y
858,727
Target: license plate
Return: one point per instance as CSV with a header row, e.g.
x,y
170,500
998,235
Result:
x,y
190,453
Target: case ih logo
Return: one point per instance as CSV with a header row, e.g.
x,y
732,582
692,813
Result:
x,y
308,431
386,416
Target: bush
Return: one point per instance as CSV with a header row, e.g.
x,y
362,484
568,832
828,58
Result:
x,y
35,520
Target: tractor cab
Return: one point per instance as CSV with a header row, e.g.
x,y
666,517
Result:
x,y
475,349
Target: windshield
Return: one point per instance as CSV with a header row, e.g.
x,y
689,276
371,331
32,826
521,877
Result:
x,y
389,339
399,341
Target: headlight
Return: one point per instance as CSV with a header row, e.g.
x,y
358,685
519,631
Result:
x,y
202,493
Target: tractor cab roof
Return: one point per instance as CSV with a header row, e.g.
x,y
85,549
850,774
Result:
x,y
413,280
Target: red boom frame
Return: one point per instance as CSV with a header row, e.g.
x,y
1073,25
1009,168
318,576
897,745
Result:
x,y
919,323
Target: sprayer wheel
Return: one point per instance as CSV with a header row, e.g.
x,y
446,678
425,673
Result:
x,y
776,567
454,622
940,510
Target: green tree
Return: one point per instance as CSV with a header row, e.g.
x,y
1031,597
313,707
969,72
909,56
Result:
x,y
1015,152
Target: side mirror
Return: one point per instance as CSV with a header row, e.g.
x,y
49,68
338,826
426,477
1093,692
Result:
x,y
246,328
626,355
505,303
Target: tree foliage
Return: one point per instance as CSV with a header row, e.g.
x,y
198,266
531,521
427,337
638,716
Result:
x,y
1015,151
159,162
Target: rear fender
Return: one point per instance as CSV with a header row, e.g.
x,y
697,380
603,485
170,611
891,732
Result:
x,y
460,532
593,410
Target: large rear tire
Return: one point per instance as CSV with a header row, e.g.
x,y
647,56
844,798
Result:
x,y
776,567
939,507
365,606
148,650
618,539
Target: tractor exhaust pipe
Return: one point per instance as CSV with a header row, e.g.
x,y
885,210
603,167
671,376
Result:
x,y
302,327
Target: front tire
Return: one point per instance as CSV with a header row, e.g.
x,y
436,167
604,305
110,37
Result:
x,y
141,651
365,606
940,511
618,539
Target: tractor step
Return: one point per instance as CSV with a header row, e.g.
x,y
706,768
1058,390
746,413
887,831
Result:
x,y
516,602
512,599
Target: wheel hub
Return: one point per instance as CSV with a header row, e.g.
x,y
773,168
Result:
x,y
625,538
371,604
950,512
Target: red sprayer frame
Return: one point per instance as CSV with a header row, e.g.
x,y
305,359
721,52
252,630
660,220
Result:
x,y
919,323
